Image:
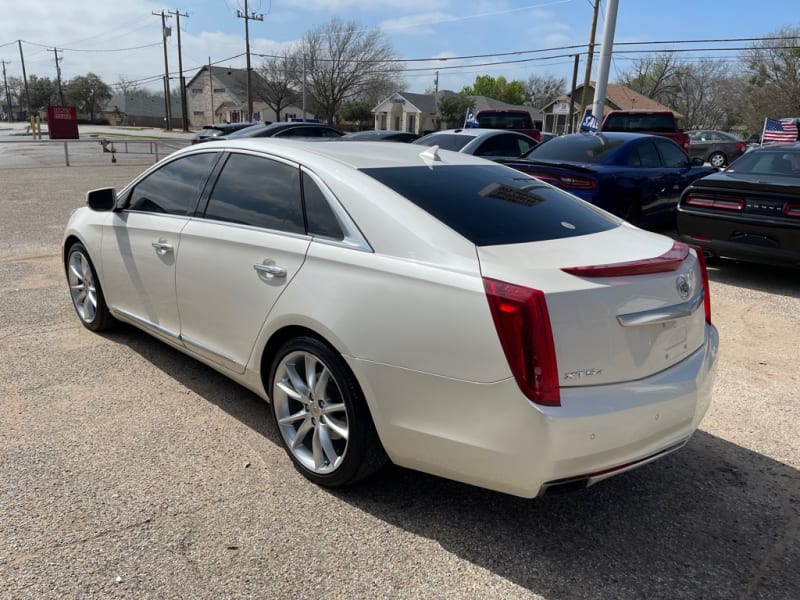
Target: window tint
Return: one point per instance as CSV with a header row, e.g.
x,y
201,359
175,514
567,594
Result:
x,y
174,188
257,191
582,148
320,217
671,155
645,156
640,122
778,162
511,120
506,144
491,204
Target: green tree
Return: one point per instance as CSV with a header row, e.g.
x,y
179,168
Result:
x,y
357,112
511,92
42,90
87,93
453,109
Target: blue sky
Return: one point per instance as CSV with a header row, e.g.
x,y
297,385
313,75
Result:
x,y
96,39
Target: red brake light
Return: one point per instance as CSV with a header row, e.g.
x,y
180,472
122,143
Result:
x,y
582,183
740,146
669,261
523,326
706,288
708,201
792,210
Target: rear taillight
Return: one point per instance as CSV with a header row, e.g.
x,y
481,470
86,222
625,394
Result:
x,y
708,201
740,146
523,326
581,183
669,261
792,210
704,276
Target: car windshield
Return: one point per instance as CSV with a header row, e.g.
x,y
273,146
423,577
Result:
x,y
577,148
246,132
768,162
491,204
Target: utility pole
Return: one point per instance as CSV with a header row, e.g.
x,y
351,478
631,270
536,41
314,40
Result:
x,y
165,32
606,46
590,57
436,98
571,127
211,89
25,80
8,94
247,18
58,76
184,111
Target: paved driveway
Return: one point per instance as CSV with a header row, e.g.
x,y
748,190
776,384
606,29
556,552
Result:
x,y
130,470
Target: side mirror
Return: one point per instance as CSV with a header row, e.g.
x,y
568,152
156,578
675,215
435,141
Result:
x,y
101,200
697,162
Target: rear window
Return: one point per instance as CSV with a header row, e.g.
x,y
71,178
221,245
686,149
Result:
x,y
581,148
446,141
777,162
505,121
491,204
631,122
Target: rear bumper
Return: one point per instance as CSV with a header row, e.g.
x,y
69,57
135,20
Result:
x,y
763,241
491,436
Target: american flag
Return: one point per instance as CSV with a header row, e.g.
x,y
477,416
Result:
x,y
779,131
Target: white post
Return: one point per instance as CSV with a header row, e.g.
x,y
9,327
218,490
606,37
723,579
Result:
x,y
66,153
607,44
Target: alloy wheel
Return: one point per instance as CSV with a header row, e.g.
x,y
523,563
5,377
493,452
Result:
x,y
82,286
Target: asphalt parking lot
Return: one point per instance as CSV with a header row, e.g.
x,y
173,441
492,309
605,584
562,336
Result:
x,y
130,470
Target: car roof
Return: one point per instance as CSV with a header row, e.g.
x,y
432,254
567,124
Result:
x,y
472,131
355,154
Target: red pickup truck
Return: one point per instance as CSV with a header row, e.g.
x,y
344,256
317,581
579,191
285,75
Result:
x,y
508,118
655,122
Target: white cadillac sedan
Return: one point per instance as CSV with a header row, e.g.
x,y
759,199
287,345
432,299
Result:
x,y
395,302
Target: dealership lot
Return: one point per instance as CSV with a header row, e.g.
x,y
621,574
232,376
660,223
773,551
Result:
x,y
130,470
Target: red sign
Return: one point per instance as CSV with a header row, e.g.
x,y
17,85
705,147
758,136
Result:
x,y
62,123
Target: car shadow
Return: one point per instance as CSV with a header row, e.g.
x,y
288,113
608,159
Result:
x,y
713,520
764,278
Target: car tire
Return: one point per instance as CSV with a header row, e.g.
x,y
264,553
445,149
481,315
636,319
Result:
x,y
321,415
718,159
85,290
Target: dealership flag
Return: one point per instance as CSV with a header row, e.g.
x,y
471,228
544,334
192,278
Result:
x,y
470,120
779,131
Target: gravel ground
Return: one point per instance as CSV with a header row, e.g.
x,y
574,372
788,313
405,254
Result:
x,y
128,470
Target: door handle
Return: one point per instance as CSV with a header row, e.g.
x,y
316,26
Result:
x,y
270,270
162,248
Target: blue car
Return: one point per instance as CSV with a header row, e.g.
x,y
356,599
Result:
x,y
637,177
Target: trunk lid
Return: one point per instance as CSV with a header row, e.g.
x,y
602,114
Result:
x,y
613,328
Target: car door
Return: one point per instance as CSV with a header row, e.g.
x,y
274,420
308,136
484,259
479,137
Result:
x,y
700,145
239,256
644,179
141,243
677,173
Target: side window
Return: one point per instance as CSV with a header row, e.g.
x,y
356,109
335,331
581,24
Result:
x,y
644,156
174,188
499,145
257,191
321,220
297,132
671,155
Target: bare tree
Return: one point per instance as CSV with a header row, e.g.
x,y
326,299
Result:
x,y
343,61
279,76
125,85
541,90
773,70
655,77
702,94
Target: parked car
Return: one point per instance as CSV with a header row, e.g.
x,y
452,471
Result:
x,y
438,309
488,143
635,176
515,119
664,123
284,129
750,211
212,131
718,148
382,135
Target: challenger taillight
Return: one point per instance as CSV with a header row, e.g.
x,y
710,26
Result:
x,y
709,201
669,261
579,183
523,326
792,210
704,276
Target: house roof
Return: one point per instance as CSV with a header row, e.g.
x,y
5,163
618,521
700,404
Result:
x,y
426,103
617,97
142,104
